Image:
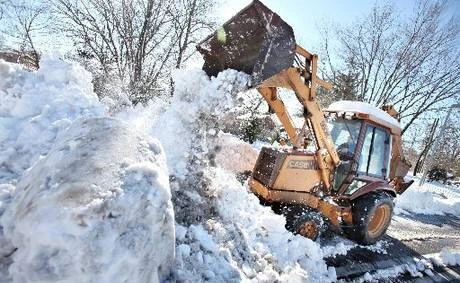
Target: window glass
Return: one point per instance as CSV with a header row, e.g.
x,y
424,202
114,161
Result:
x,y
377,162
344,134
374,152
364,157
354,186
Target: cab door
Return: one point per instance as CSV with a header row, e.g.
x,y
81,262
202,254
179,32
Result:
x,y
374,156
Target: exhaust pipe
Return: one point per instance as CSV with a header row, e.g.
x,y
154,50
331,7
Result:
x,y
255,41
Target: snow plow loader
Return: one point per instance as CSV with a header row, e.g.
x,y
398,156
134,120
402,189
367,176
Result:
x,y
345,164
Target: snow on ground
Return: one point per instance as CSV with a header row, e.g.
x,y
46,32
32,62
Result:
x,y
447,257
431,198
450,257
415,269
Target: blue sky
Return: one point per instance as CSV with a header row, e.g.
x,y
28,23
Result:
x,y
305,15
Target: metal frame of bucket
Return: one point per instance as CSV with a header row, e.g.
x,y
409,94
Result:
x,y
255,41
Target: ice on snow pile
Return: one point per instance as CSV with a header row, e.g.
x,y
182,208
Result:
x,y
82,199
96,209
223,234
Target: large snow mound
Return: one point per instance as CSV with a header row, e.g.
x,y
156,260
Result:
x,y
96,209
36,106
431,198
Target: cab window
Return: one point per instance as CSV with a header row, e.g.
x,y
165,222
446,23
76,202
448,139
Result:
x,y
344,134
374,156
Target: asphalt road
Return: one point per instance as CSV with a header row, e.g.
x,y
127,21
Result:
x,y
426,234
410,239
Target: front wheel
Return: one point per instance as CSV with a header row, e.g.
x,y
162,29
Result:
x,y
371,217
304,221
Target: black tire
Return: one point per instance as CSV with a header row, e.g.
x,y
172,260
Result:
x,y
297,216
372,215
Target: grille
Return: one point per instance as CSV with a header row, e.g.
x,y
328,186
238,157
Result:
x,y
267,165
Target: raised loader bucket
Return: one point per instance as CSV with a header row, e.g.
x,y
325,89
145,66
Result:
x,y
255,41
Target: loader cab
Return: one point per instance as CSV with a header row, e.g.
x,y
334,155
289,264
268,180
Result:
x,y
364,148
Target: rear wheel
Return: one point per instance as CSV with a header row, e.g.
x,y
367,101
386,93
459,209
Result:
x,y
371,217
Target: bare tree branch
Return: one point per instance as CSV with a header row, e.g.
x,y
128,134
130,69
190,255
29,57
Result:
x,y
412,64
23,23
139,40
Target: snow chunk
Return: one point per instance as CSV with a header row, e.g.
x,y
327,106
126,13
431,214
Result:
x,y
204,238
97,208
236,155
36,106
363,107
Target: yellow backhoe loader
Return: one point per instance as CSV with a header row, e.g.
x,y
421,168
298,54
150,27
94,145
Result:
x,y
355,165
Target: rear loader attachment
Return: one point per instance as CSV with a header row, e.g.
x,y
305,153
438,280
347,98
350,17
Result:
x,y
255,41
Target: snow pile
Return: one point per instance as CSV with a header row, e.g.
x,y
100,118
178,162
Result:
x,y
81,200
363,107
246,241
450,257
96,209
431,198
36,106
222,232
